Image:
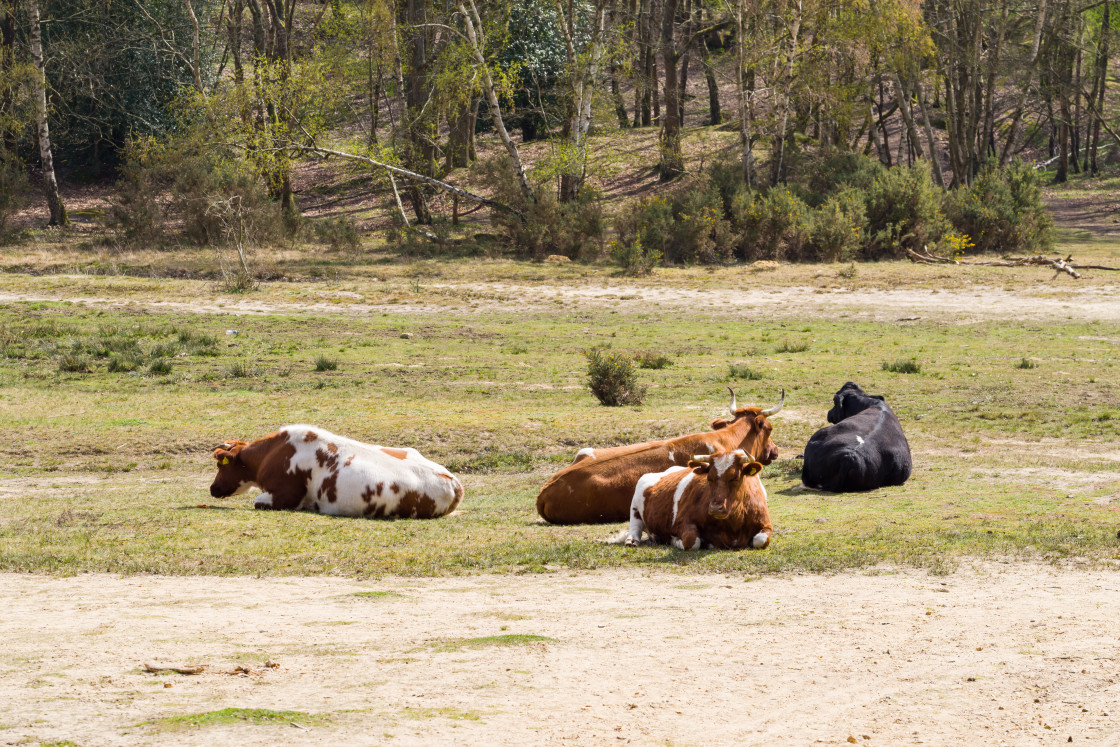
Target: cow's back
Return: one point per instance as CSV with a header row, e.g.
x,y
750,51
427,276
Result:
x,y
351,478
599,486
863,452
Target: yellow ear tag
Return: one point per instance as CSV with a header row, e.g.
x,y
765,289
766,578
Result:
x,y
225,460
753,469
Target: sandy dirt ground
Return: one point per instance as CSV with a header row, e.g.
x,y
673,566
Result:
x,y
1097,303
995,653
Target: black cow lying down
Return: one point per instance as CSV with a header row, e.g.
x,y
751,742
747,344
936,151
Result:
x,y
864,450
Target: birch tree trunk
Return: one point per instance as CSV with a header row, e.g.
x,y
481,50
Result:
x,y
474,35
50,184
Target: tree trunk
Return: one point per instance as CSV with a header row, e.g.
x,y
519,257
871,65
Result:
x,y
50,184
672,159
715,113
1102,78
938,176
7,60
777,171
461,134
474,31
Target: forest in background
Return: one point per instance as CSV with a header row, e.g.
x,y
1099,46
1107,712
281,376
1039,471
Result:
x,y
858,129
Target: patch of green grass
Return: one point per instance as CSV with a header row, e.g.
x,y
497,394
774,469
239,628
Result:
x,y
240,370
418,713
904,366
227,716
377,595
323,363
793,347
1026,363
510,639
743,371
160,367
74,363
656,361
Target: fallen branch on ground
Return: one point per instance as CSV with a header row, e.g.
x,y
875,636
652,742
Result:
x,y
1058,264
188,669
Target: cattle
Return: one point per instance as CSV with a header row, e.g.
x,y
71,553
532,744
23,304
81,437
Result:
x,y
301,467
865,449
598,486
716,502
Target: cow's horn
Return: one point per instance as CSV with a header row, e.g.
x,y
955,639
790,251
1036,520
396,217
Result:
x,y
773,410
733,403
702,458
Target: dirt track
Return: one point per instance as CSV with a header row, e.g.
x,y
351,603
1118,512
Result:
x,y
1095,303
996,653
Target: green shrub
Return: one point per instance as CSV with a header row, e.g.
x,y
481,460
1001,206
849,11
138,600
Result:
x,y
240,370
337,233
160,367
656,361
686,224
742,371
1026,363
123,363
793,347
633,258
839,171
909,366
547,226
613,378
771,226
164,350
1002,210
74,363
323,363
13,183
837,229
135,213
903,212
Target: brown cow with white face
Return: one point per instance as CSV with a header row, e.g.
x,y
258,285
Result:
x,y
597,488
301,467
716,502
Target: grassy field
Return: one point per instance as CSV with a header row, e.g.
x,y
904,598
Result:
x,y
115,387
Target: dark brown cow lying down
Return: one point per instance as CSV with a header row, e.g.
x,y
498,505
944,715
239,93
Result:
x,y
597,488
719,502
308,468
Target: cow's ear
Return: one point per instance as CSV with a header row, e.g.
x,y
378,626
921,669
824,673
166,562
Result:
x,y
718,423
224,457
752,469
878,397
700,468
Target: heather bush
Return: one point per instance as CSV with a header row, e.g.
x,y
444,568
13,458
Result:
x,y
903,212
613,378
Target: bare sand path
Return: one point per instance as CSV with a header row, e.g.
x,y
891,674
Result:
x,y
995,653
963,304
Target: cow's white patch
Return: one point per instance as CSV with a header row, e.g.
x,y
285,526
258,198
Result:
x,y
696,544
244,488
638,504
264,500
711,449
759,540
678,493
363,479
672,456
677,543
721,463
860,439
585,453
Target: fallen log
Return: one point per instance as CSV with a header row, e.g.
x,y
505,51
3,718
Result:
x,y
1058,264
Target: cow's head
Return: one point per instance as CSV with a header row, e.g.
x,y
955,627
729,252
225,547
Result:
x,y
725,472
850,400
757,440
234,476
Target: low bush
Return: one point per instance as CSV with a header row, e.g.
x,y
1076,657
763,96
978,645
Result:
x,y
339,234
774,225
908,366
13,183
160,367
323,363
633,258
656,361
903,212
686,224
1002,211
613,378
743,371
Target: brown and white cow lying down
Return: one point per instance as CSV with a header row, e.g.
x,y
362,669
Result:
x,y
717,502
597,488
301,467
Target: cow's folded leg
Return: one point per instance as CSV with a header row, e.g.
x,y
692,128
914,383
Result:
x,y
634,536
263,501
686,537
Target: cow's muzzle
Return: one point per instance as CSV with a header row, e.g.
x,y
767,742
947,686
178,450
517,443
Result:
x,y
217,492
718,511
